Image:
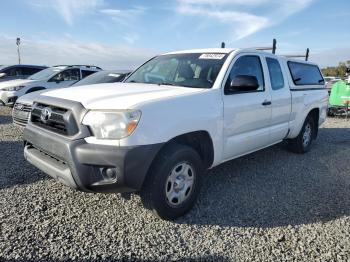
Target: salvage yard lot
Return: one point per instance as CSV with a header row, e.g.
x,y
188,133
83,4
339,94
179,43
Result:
x,y
270,206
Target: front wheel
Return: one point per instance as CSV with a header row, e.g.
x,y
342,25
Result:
x,y
302,143
173,182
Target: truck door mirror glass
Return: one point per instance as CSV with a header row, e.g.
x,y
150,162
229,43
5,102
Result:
x,y
2,75
242,83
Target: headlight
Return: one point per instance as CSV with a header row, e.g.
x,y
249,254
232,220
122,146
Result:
x,y
112,124
13,88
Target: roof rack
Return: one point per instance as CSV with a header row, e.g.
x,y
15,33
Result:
x,y
306,56
87,66
272,48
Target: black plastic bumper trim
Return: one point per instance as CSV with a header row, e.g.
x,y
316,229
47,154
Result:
x,y
78,164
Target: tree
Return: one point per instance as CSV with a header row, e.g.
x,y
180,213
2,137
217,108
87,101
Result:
x,y
339,70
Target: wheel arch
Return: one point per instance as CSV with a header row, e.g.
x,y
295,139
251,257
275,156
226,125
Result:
x,y
200,141
315,115
314,112
34,89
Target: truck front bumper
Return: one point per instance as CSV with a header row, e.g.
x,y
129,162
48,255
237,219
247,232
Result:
x,y
88,167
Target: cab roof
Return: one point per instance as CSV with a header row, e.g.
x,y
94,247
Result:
x,y
229,50
206,50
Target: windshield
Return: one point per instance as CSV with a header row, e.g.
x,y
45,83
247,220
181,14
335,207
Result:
x,y
45,74
197,70
101,77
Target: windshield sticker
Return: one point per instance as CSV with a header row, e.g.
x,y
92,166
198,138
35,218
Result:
x,y
212,56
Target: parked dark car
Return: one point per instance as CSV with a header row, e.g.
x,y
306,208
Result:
x,y
11,72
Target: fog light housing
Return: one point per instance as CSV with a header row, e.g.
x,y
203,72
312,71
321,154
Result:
x,y
110,173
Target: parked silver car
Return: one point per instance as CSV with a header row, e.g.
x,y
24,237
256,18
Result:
x,y
22,108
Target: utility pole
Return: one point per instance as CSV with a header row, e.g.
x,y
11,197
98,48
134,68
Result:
x,y
18,42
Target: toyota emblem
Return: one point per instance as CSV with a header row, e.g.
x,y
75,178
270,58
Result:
x,y
45,114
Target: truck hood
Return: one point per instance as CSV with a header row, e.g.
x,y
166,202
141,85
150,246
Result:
x,y
17,82
119,95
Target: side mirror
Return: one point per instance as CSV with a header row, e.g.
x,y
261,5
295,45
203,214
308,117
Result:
x,y
242,83
2,75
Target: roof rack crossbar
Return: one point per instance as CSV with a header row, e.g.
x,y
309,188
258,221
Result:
x,y
306,56
272,48
87,66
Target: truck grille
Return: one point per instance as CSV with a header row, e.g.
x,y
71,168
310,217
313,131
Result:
x,y
21,113
56,119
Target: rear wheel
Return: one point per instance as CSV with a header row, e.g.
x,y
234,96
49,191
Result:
x,y
173,182
330,112
302,143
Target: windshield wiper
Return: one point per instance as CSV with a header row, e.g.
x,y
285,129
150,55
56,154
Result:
x,y
166,84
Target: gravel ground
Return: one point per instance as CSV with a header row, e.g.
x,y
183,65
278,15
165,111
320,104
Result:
x,y
269,206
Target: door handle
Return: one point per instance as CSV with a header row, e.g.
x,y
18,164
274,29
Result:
x,y
266,103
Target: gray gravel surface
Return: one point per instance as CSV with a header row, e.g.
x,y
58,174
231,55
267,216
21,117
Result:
x,y
272,205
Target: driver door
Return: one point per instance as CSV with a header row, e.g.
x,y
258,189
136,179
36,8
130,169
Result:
x,y
247,114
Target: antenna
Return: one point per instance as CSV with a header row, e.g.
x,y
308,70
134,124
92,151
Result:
x,y
222,44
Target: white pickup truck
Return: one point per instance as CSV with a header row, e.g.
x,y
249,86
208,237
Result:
x,y
173,118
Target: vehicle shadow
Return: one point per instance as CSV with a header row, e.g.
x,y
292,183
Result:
x,y
185,259
14,169
4,120
274,187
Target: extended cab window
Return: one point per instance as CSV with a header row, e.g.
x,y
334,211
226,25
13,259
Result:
x,y
248,65
276,75
305,74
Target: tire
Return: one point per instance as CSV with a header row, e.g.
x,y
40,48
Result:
x,y
302,143
168,191
330,112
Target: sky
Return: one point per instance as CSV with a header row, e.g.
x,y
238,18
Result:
x,y
116,34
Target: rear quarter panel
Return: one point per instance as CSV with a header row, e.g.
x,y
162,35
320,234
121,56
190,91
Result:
x,y
303,103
